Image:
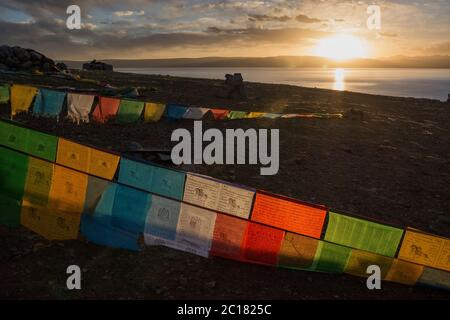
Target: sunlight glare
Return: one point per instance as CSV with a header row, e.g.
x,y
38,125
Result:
x,y
341,47
339,79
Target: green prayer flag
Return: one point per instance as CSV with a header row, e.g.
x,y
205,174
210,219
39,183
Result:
x,y
129,111
4,93
232,115
13,173
362,234
29,141
331,258
10,212
42,145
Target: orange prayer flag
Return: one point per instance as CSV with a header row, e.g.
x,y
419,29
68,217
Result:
x,y
219,114
288,214
86,159
404,272
228,237
106,108
68,190
262,244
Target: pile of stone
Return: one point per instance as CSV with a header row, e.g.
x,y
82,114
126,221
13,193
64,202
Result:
x,y
28,60
95,65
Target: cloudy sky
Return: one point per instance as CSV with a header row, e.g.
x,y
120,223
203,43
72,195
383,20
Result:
x,y
198,28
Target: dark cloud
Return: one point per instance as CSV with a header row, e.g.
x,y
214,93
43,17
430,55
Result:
x,y
264,17
305,19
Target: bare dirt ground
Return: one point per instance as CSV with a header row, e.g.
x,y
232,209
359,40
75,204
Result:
x,y
393,166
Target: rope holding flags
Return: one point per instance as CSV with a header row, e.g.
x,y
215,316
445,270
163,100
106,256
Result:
x,y
81,108
60,193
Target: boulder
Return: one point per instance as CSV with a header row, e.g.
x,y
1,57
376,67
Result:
x,y
21,59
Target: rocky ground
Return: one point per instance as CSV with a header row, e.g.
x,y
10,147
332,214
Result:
x,y
393,166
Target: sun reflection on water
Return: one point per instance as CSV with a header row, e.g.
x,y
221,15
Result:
x,y
339,79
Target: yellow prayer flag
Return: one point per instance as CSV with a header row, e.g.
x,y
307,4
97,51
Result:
x,y
68,190
426,249
404,272
153,111
73,155
86,159
39,180
255,114
49,223
21,98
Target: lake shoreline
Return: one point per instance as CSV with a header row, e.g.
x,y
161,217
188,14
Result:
x,y
405,82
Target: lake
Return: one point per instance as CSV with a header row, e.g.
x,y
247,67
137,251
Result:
x,y
418,83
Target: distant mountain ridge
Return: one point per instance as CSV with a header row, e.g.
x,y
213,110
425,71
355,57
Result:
x,y
279,62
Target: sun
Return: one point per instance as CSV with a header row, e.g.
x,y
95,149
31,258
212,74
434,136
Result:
x,y
341,47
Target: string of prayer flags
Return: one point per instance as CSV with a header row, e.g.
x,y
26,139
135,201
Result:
x,y
228,237
130,111
29,141
79,106
195,113
425,249
218,195
96,222
86,159
360,260
233,115
219,114
262,244
297,251
331,258
363,234
68,190
435,278
105,109
130,209
153,111
38,181
4,93
50,224
21,98
154,179
175,111
288,214
48,103
404,272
